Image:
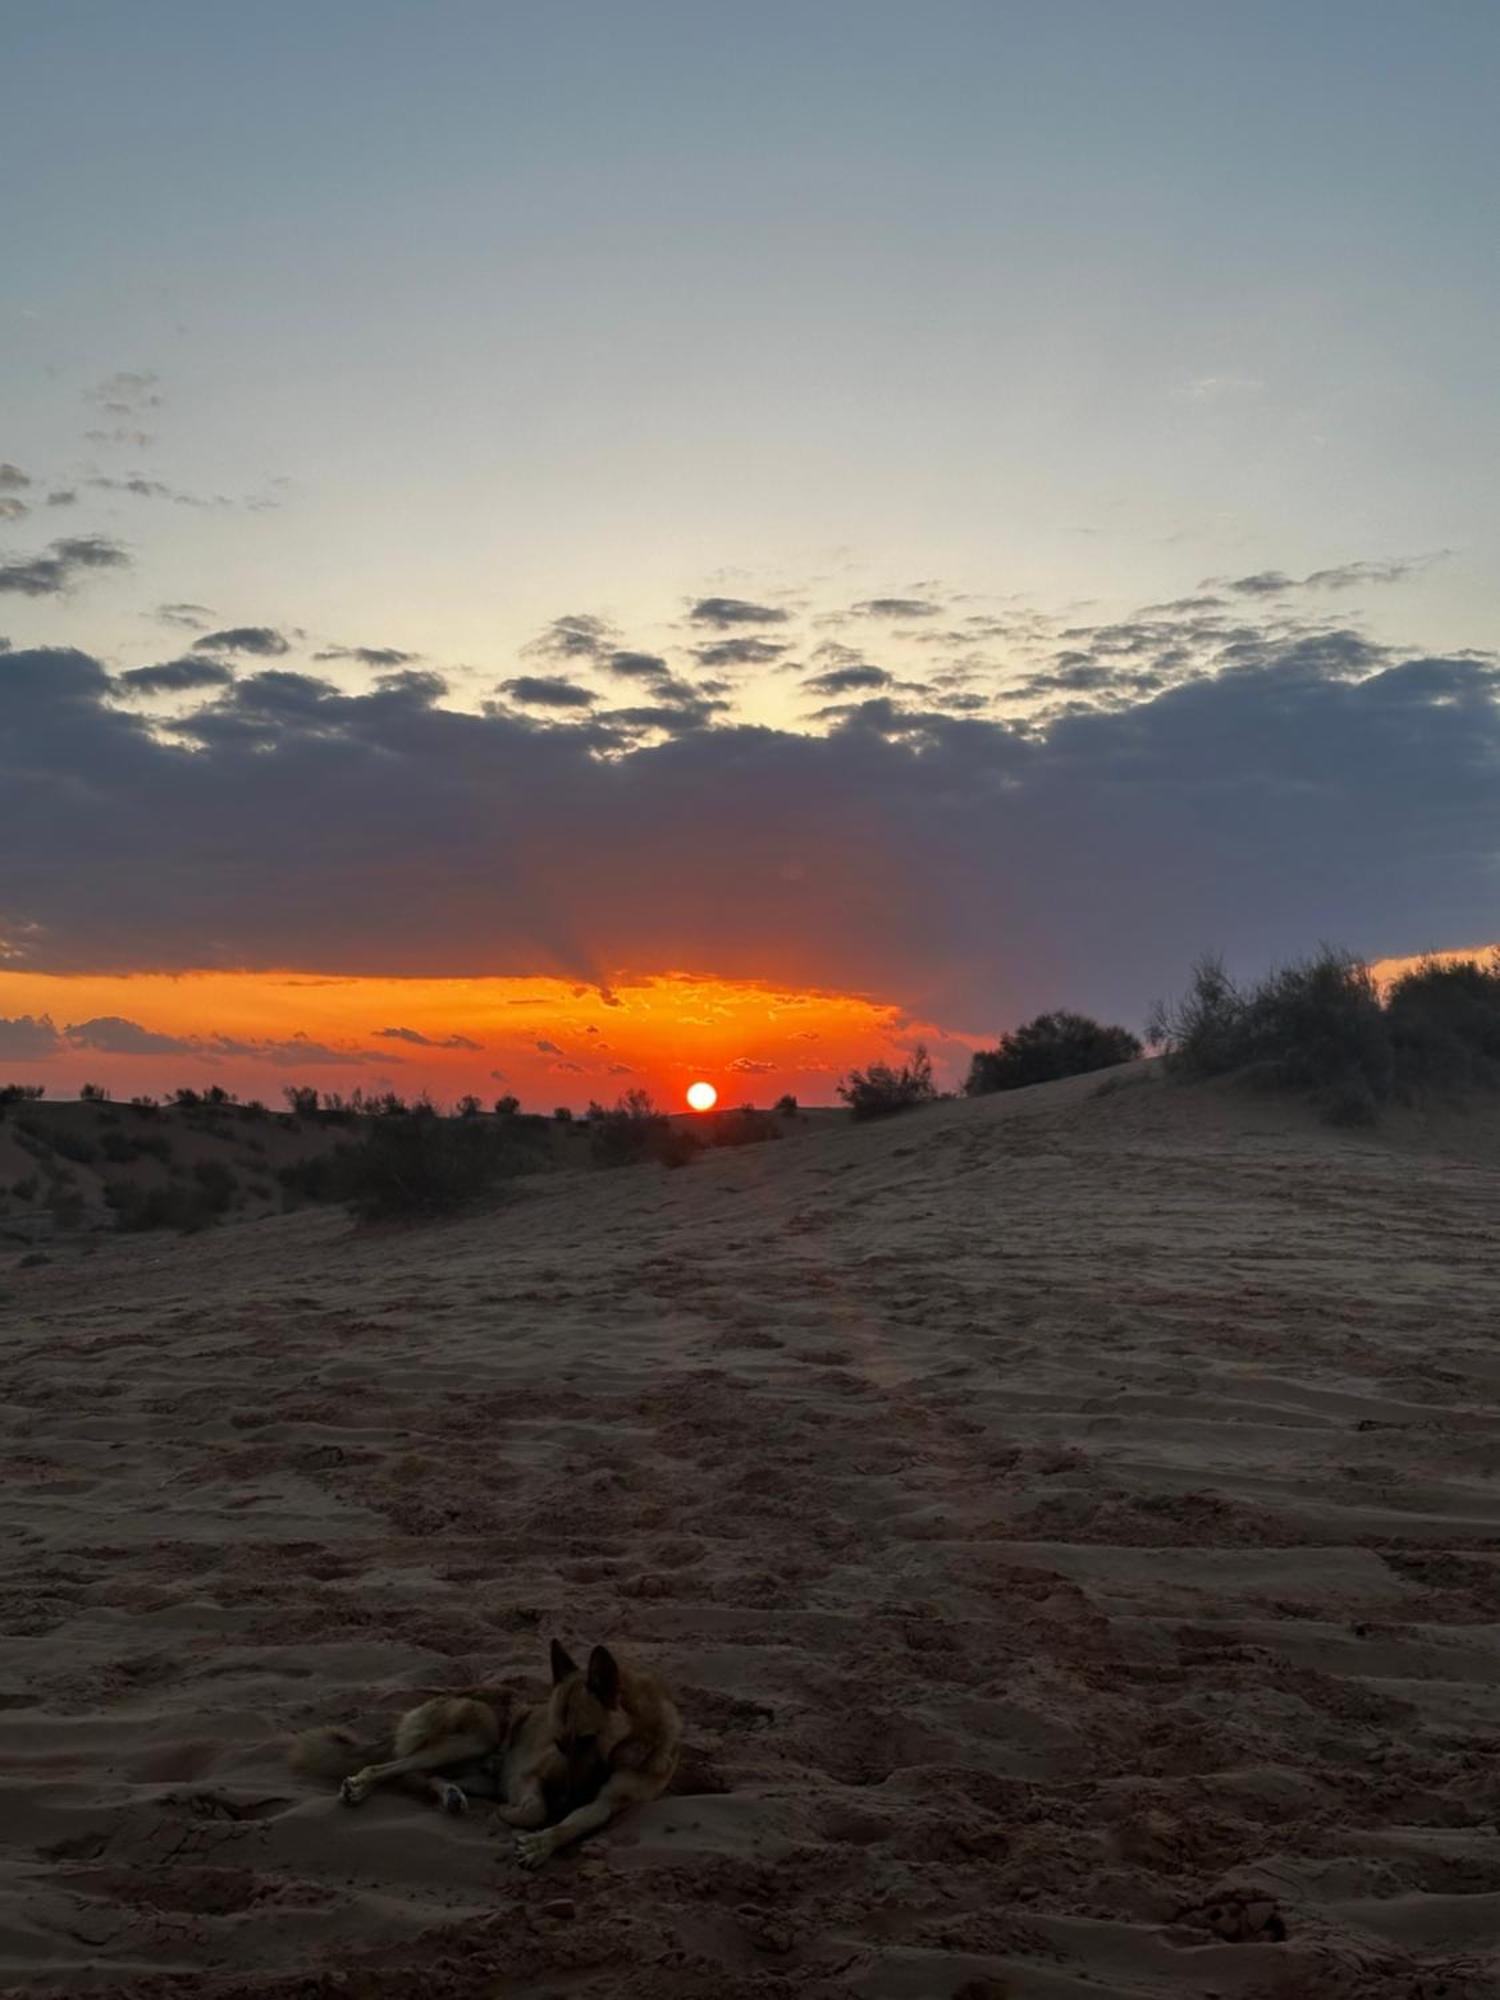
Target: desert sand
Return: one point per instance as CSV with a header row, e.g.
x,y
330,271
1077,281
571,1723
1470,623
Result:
x,y
1069,1522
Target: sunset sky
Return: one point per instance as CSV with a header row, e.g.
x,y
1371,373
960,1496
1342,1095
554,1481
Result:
x,y
562,548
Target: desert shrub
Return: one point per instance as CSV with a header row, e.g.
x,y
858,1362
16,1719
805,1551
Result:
x,y
253,1108
787,1105
563,1115
421,1164
21,1093
145,1107
880,1090
157,1144
186,1208
635,1131
74,1146
469,1106
1315,1026
507,1106
186,1098
93,1093
1445,1025
1051,1046
218,1183
742,1127
302,1100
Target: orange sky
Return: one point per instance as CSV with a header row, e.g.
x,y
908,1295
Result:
x,y
549,1041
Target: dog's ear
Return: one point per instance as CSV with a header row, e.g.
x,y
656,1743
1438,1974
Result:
x,y
562,1666
604,1676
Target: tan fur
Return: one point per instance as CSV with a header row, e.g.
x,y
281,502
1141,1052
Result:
x,y
605,1739
620,1716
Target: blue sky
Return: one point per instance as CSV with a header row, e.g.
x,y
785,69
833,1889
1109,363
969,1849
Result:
x,y
515,311
1007,400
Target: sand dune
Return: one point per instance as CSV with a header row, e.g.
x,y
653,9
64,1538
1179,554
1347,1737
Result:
x,y
1070,1522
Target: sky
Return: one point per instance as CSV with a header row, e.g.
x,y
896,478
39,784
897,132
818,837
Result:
x,y
627,523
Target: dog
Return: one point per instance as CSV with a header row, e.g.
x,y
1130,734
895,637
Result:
x,y
611,1719
606,1738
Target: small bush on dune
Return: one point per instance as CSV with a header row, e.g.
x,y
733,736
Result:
x,y
881,1090
421,1164
635,1131
1445,1025
1051,1046
1316,1026
742,1127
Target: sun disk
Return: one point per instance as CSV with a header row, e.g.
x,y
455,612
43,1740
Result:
x,y
702,1096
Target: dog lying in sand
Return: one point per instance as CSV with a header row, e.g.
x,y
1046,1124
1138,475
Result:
x,y
606,1738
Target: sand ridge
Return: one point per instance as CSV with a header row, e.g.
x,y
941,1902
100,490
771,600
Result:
x,y
1068,1521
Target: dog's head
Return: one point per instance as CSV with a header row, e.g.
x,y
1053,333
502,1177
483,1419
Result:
x,y
582,1702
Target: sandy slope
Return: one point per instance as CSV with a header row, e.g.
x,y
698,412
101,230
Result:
x,y
1070,1522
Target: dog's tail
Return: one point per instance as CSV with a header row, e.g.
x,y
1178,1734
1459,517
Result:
x,y
334,1754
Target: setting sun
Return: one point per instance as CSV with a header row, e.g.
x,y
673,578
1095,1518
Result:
x,y
702,1096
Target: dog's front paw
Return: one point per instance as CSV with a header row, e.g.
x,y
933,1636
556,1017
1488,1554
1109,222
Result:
x,y
452,1798
532,1849
352,1792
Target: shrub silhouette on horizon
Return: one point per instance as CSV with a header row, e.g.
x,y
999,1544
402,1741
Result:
x,y
1316,1026
881,1090
1051,1046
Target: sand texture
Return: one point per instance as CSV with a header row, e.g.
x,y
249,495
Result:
x,y
1069,1523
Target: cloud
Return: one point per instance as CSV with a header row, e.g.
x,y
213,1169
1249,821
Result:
x,y
1191,782
1221,388
723,613
842,680
549,1048
62,496
112,1035
369,656
1343,576
12,478
638,666
261,640
127,393
192,617
747,1066
739,653
12,509
174,677
28,1038
576,636
538,691
421,1041
896,607
59,567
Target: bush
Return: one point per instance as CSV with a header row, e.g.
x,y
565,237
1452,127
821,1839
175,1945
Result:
x,y
507,1106
302,1100
1445,1025
787,1105
21,1093
563,1115
217,1183
635,1131
879,1091
1051,1046
173,1207
422,1165
93,1093
74,1146
744,1127
1315,1026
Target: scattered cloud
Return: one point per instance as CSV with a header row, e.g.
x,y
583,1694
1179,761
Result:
x,y
192,617
575,636
369,656
28,1038
111,1035
127,393
63,496
747,1066
739,653
539,691
421,1041
12,478
174,677
60,565
12,509
843,680
896,607
724,613
260,640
